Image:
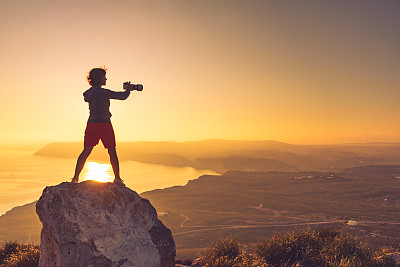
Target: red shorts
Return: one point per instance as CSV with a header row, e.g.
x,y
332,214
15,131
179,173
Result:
x,y
99,131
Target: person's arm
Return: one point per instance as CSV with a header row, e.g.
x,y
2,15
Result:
x,y
118,95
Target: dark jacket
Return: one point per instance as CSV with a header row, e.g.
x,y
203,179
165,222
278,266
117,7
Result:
x,y
99,103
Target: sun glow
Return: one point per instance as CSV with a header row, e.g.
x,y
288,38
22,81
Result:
x,y
97,172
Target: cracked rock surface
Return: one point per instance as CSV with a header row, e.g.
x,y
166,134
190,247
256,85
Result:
x,y
101,224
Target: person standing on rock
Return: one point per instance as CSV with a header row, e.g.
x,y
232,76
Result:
x,y
99,125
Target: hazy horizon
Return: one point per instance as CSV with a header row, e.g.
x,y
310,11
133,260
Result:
x,y
34,146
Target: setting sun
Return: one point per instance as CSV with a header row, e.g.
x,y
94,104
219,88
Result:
x,y
97,172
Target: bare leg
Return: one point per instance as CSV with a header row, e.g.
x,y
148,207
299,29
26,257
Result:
x,y
114,161
80,163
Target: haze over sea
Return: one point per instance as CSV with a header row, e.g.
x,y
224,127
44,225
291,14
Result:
x,y
24,176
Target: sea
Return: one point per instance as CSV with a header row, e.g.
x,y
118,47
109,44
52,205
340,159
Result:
x,y
23,176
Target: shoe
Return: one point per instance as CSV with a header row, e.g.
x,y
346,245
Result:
x,y
74,181
119,181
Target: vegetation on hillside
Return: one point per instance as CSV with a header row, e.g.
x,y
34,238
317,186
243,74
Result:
x,y
298,248
19,255
301,248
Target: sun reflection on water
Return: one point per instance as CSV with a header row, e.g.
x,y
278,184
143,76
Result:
x,y
97,172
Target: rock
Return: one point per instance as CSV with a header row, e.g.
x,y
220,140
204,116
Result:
x,y
101,224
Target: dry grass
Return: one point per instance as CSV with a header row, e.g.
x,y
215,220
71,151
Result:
x,y
19,255
301,248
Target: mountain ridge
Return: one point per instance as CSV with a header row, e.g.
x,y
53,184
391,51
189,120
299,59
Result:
x,y
223,155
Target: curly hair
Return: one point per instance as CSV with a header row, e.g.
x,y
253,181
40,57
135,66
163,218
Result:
x,y
94,76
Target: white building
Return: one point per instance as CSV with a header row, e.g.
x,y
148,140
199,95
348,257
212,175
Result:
x,y
352,223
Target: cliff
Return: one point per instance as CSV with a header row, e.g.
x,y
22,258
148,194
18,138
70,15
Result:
x,y
101,224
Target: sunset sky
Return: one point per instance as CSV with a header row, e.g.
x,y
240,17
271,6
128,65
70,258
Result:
x,y
293,71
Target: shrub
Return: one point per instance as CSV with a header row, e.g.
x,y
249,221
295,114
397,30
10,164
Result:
x,y
310,248
227,252
224,252
8,249
19,255
348,249
184,262
386,261
298,248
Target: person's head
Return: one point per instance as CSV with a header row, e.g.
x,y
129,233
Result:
x,y
97,76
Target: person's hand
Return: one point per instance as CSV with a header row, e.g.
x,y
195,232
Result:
x,y
128,86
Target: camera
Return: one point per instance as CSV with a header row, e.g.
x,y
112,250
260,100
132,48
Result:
x,y
137,87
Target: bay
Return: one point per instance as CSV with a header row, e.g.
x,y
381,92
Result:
x,y
23,176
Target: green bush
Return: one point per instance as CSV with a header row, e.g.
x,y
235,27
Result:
x,y
386,261
349,249
19,255
298,248
224,252
310,248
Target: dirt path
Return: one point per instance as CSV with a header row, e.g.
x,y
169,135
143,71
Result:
x,y
266,225
210,228
277,213
185,219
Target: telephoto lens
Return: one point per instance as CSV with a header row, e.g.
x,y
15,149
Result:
x,y
136,87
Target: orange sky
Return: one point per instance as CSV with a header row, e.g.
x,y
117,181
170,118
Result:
x,y
293,71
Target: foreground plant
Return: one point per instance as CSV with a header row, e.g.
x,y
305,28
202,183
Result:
x,y
19,255
300,248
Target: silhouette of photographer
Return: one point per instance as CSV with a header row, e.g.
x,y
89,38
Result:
x,y
99,125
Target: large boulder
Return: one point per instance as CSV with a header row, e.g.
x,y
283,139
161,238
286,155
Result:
x,y
101,224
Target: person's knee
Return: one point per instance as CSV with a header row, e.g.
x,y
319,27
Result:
x,y
112,151
86,151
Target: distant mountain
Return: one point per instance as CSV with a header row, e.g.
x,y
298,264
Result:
x,y
224,155
191,149
375,170
240,163
168,159
186,154
60,150
20,224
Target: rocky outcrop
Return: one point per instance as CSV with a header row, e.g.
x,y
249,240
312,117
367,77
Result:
x,y
101,224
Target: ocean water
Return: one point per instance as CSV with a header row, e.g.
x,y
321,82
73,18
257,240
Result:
x,y
23,176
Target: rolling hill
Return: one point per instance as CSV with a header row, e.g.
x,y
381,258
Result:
x,y
252,205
